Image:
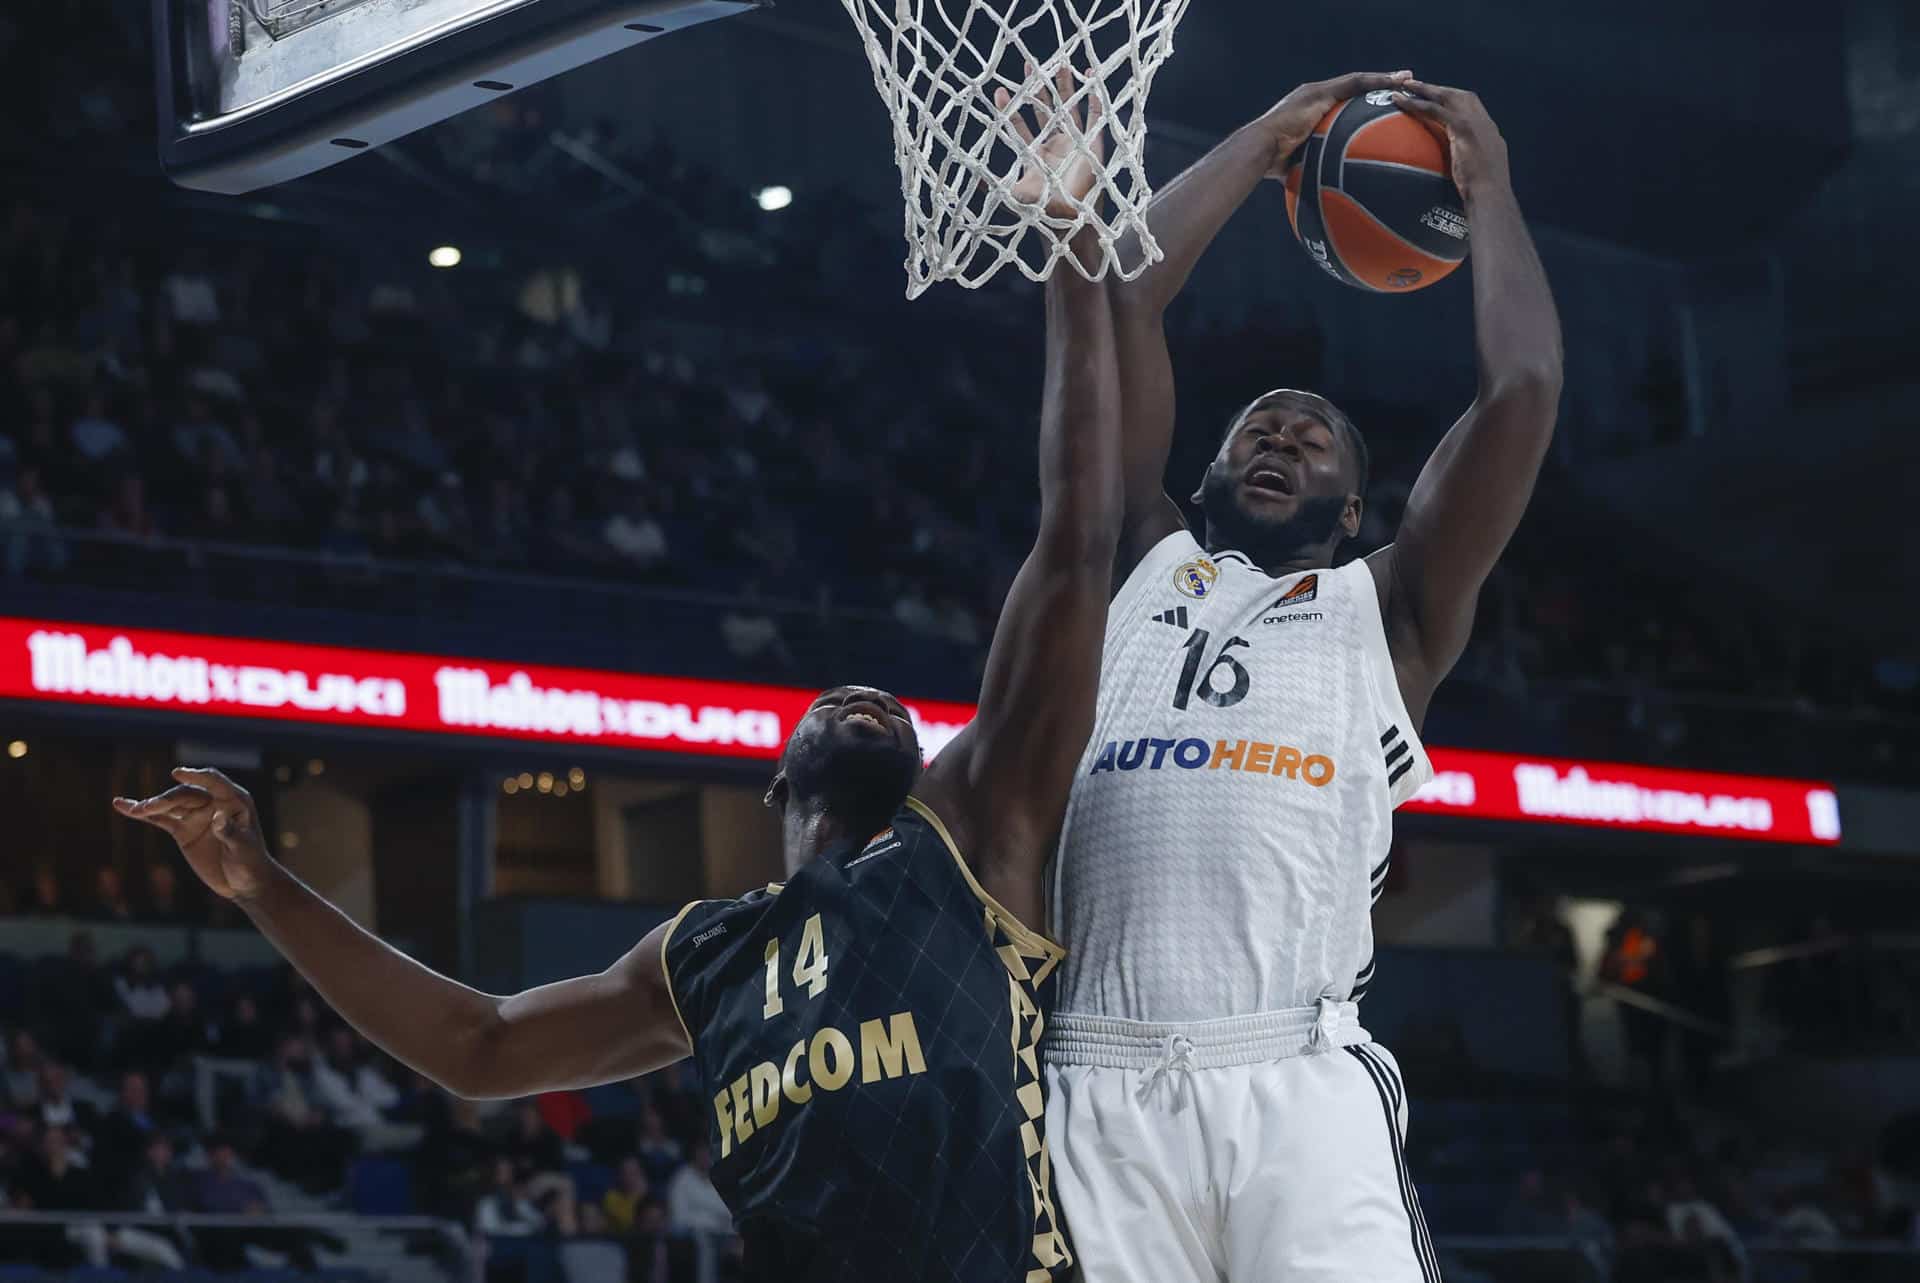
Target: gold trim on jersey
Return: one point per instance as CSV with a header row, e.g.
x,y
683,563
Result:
x,y
667,971
1029,958
1029,940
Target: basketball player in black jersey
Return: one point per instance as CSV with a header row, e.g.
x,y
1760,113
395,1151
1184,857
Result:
x,y
866,1033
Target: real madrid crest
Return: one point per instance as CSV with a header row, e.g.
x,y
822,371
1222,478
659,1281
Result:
x,y
1195,579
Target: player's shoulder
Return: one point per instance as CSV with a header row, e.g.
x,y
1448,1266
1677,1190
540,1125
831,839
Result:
x,y
705,931
1174,564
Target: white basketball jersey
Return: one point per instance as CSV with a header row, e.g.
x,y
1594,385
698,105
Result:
x,y
1229,829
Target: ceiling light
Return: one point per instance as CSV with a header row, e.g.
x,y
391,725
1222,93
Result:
x,y
774,199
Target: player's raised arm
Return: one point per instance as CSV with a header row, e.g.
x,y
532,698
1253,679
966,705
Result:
x,y
1003,783
1185,217
1475,488
576,1033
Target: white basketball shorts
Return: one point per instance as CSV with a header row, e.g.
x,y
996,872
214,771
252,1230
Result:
x,y
1259,1150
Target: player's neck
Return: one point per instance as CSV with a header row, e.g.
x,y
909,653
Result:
x,y
806,831
1277,563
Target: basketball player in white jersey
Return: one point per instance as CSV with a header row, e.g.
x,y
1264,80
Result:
x,y
1216,1109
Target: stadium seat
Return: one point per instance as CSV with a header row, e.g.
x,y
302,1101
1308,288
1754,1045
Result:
x,y
13,987
92,1274
593,1261
380,1187
613,1100
591,1181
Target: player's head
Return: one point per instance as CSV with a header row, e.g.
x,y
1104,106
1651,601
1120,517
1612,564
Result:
x,y
854,755
1288,479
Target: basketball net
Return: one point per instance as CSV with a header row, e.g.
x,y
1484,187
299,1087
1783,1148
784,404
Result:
x,y
937,64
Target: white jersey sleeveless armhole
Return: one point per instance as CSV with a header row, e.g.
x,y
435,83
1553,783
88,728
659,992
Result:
x,y
1230,826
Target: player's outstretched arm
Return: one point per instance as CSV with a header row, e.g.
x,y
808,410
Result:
x,y
576,1033
1002,784
1185,217
1475,488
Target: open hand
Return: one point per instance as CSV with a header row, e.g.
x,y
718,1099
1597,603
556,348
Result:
x,y
1474,146
216,825
1291,121
1064,147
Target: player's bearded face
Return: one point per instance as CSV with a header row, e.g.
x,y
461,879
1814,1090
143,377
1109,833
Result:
x,y
855,772
1310,521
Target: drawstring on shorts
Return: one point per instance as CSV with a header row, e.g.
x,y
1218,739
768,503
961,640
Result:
x,y
1326,1024
1157,1050
1178,1054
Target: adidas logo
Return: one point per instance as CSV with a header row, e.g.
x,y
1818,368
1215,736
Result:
x,y
1177,617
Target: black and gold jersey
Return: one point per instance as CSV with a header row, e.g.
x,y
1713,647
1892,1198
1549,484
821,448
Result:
x,y
867,1036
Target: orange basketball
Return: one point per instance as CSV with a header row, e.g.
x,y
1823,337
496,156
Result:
x,y
1372,198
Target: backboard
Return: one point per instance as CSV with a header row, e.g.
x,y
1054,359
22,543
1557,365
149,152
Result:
x,y
257,92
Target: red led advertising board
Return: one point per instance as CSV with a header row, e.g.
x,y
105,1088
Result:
x,y
335,686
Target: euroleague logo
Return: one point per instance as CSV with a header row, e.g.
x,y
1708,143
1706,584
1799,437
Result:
x,y
1196,578
1403,277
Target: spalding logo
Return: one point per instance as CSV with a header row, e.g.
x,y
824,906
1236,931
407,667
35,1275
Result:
x,y
1318,251
1380,98
1446,221
1402,277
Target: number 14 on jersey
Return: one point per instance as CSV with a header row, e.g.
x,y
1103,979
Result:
x,y
809,967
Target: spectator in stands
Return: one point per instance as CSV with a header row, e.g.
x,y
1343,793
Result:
x,y
30,543
1799,1218
143,1004
189,294
46,897
1530,1212
24,1059
455,1159
155,1184
1589,1230
125,512
658,1152
629,1197
1634,961
298,1141
355,1095
540,1165
1698,1224
69,998
156,1187
182,1033
505,1209
306,1015
695,1207
752,634
121,1137
109,896
563,542
59,1182
244,1035
54,1105
95,435
162,902
505,1212
224,1189
635,535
